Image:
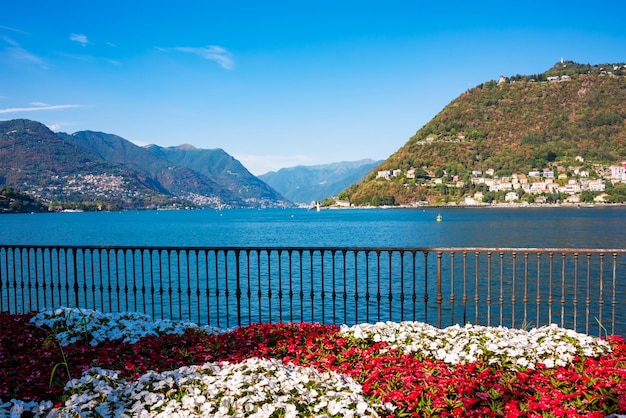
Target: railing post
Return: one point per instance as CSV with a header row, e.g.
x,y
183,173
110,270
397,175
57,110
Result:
x,y
488,288
588,297
334,293
249,290
345,288
439,289
538,299
563,256
414,293
550,298
378,295
426,286
259,292
323,293
476,287
237,287
525,288
575,300
401,285
601,294
614,295
356,288
280,286
501,299
452,294
513,291
367,286
311,284
301,262
289,253
464,287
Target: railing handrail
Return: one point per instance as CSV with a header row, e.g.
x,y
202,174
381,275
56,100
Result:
x,y
328,248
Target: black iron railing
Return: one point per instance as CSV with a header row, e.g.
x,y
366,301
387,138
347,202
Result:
x,y
582,289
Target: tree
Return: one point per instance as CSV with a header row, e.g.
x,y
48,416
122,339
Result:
x,y
587,196
343,196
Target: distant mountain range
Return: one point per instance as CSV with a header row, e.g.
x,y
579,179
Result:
x,y
94,169
99,171
307,184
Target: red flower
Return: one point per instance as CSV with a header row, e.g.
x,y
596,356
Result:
x,y
419,387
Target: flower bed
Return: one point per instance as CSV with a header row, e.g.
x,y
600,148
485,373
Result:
x,y
66,361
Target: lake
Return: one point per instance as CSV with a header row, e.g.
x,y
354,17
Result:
x,y
221,285
570,227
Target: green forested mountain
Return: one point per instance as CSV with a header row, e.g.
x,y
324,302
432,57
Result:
x,y
513,125
224,169
56,170
163,175
95,170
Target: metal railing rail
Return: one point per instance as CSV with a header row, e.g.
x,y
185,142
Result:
x,y
227,286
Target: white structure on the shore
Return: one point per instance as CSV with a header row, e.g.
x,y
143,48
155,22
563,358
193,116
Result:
x,y
511,197
535,182
618,172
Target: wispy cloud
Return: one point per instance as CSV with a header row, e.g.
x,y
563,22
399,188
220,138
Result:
x,y
210,52
80,38
13,30
38,107
18,54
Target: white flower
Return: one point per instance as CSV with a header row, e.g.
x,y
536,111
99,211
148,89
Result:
x,y
549,345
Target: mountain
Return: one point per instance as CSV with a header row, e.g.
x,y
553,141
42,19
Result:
x,y
99,170
565,121
306,184
52,168
225,170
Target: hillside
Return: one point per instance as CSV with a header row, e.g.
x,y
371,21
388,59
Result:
x,y
306,184
513,126
225,170
54,169
95,170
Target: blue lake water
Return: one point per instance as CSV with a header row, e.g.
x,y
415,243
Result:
x,y
201,285
597,227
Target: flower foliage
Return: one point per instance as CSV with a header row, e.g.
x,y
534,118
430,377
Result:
x,y
127,364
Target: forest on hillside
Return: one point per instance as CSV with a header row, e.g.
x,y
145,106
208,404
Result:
x,y
512,125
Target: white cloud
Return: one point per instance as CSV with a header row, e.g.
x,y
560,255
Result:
x,y
37,108
80,38
212,53
18,54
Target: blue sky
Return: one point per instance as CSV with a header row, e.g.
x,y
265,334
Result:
x,y
279,83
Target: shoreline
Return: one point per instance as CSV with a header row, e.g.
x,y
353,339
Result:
x,y
485,206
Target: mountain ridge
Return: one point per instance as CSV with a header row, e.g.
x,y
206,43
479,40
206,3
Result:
x,y
95,170
218,164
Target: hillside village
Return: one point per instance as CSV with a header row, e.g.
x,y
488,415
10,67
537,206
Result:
x,y
573,184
